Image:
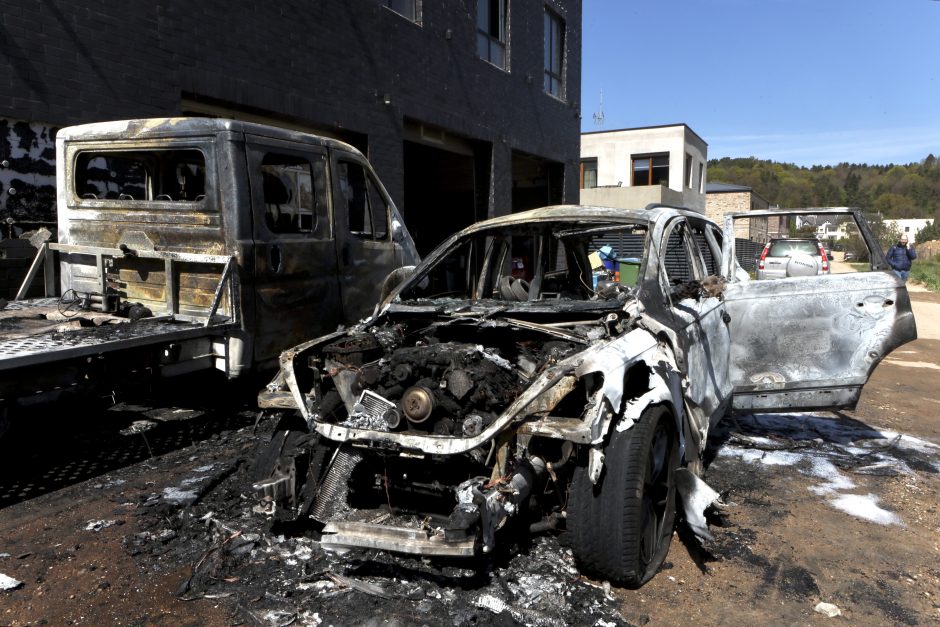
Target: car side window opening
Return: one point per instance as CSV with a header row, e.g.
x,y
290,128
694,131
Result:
x,y
677,265
366,208
294,192
141,175
708,241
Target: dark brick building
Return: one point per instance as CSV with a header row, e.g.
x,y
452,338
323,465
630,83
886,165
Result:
x,y
466,108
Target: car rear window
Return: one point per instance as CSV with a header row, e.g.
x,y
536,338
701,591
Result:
x,y
787,248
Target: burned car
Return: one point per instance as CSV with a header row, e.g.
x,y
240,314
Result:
x,y
516,378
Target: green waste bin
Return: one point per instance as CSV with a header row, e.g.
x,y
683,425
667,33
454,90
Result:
x,y
629,270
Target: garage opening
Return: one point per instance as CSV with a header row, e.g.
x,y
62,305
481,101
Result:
x,y
535,182
446,181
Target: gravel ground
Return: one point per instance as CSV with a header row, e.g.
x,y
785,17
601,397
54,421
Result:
x,y
139,515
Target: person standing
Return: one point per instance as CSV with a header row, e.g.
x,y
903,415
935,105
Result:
x,y
900,257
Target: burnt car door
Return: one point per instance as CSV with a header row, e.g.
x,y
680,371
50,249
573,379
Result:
x,y
686,252
296,288
808,342
372,240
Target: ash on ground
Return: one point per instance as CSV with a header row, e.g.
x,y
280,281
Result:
x,y
275,576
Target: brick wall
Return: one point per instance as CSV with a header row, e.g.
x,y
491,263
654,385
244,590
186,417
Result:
x,y
326,63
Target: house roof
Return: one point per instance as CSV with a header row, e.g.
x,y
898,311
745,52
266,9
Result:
x,y
724,188
643,128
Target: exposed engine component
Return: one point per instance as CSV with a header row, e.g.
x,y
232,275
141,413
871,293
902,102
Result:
x,y
444,387
417,403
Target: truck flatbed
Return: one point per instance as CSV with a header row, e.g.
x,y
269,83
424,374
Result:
x,y
36,332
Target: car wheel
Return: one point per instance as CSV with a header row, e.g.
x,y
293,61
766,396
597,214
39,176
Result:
x,y
622,527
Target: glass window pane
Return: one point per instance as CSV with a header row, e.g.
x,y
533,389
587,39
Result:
x,y
403,7
162,175
641,171
353,200
483,46
380,211
547,30
497,54
289,195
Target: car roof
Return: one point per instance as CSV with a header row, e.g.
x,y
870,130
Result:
x,y
587,213
156,128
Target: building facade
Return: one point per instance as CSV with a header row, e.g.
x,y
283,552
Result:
x,y
466,108
910,227
637,166
722,198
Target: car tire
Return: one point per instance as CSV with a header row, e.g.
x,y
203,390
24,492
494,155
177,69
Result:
x,y
621,528
801,264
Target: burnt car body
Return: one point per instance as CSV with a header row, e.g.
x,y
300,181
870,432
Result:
x,y
498,383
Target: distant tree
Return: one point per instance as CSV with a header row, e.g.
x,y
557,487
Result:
x,y
898,191
929,232
886,233
853,191
891,204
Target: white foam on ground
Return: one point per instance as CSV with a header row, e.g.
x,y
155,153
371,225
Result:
x,y
865,506
836,440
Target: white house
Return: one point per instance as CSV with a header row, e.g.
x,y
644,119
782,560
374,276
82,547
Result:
x,y
909,227
636,166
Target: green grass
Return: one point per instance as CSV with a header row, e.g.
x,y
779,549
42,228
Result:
x,y
928,273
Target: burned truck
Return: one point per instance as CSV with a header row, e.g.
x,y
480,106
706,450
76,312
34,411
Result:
x,y
189,244
512,379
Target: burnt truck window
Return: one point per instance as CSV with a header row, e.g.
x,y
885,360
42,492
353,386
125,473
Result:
x,y
536,264
360,198
294,194
145,175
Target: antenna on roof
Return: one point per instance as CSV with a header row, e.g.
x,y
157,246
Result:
x,y
599,114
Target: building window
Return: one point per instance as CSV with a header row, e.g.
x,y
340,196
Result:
x,y
689,171
408,8
651,170
491,31
701,178
588,173
554,55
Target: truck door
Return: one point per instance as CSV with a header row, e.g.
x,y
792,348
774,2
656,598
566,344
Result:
x,y
810,342
371,238
297,291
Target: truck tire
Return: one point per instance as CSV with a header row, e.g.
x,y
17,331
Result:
x,y
621,528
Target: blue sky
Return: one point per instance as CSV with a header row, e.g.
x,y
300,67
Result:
x,y
798,81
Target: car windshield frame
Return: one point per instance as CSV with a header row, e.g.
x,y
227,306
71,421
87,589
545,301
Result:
x,y
559,246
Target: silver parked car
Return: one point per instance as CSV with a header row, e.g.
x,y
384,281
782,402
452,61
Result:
x,y
788,257
498,384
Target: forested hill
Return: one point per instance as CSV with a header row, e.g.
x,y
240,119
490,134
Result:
x,y
897,191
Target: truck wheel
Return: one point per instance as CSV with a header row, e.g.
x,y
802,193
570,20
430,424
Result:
x,y
621,528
